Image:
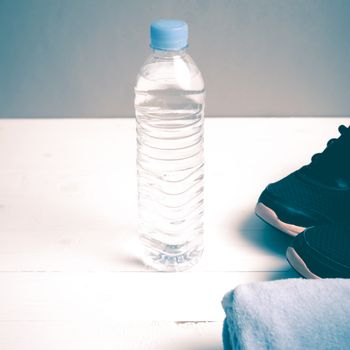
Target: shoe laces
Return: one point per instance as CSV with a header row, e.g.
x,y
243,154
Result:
x,y
336,156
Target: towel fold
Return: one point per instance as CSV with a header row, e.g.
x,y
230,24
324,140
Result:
x,y
288,314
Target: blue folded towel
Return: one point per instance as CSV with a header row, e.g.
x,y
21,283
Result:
x,y
288,314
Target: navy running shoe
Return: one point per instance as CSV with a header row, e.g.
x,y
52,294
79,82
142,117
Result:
x,y
322,252
316,194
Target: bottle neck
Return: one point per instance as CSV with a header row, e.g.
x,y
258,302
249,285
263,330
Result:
x,y
169,55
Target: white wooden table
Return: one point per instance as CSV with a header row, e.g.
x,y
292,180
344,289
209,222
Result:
x,y
69,278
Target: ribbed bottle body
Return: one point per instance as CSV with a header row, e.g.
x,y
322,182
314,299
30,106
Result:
x,y
170,167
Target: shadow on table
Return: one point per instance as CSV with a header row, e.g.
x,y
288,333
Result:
x,y
199,347
132,261
270,240
264,236
190,346
216,347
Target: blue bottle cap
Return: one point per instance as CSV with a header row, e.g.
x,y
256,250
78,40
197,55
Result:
x,y
169,35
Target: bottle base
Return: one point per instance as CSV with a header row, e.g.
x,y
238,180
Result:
x,y
171,258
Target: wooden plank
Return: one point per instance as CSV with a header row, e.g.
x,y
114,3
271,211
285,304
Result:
x,y
119,296
69,273
92,335
68,191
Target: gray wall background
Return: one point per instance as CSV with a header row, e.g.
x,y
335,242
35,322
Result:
x,y
62,58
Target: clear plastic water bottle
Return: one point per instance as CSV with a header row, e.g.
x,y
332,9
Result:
x,y
169,107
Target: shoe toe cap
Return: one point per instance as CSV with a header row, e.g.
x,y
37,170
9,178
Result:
x,y
322,253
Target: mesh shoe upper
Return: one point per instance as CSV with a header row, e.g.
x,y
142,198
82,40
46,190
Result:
x,y
332,166
325,250
332,241
315,200
317,193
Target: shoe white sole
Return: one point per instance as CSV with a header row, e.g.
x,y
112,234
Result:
x,y
269,216
298,264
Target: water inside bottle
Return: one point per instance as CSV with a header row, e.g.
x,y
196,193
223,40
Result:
x,y
170,176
